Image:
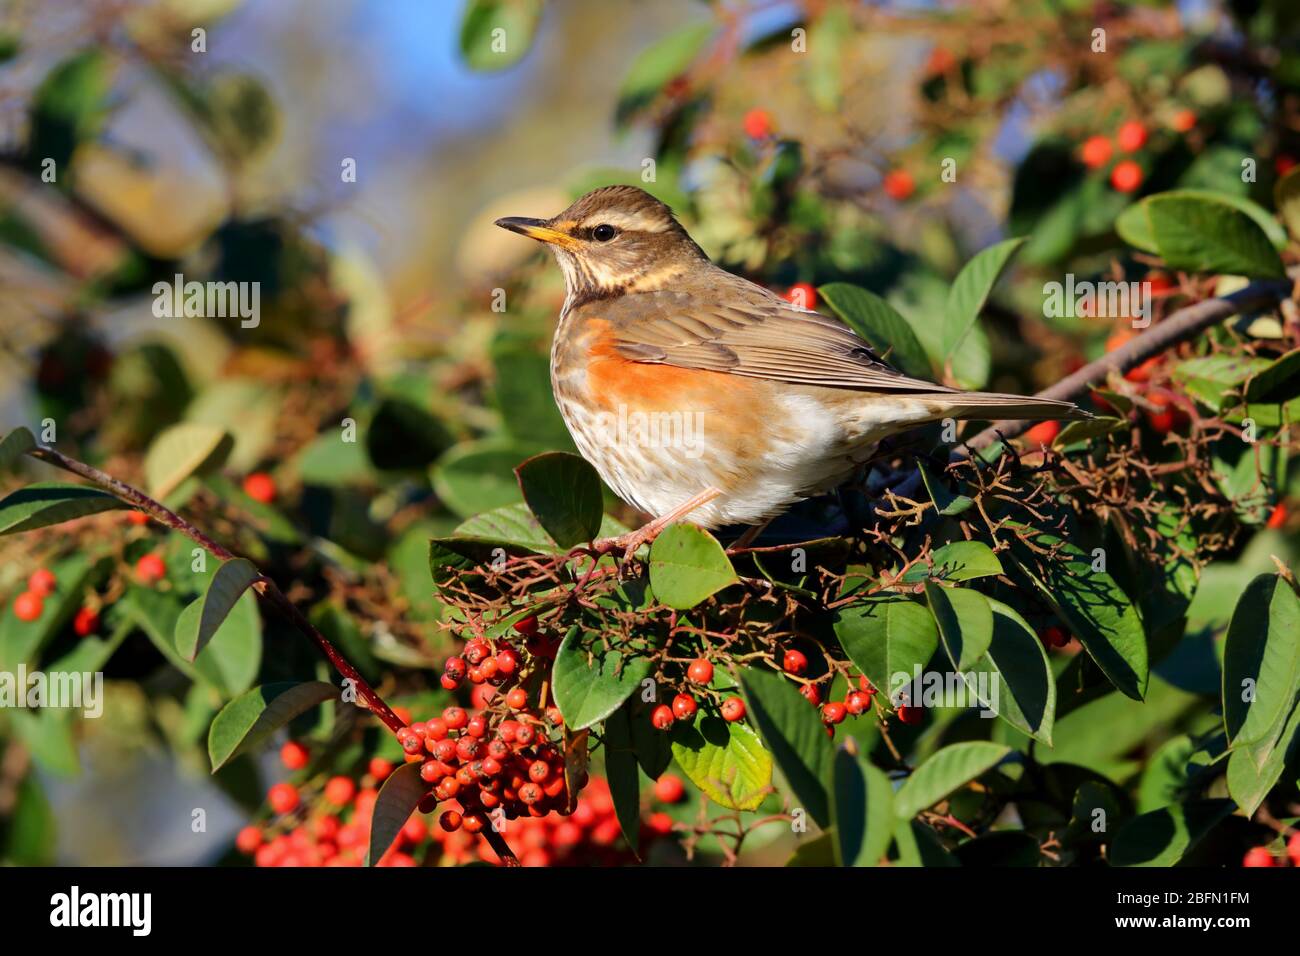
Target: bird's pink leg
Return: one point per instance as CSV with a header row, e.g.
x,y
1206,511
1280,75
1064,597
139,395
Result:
x,y
645,534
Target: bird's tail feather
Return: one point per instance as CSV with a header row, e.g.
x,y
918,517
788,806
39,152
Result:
x,y
992,406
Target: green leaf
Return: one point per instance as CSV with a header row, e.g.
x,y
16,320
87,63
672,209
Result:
x,y
1089,429
965,622
13,446
886,635
687,565
249,719
473,477
200,620
623,776
31,838
496,34
1134,223
946,771
1254,771
1165,773
879,323
814,851
47,734
563,491
1018,684
590,682
1261,662
862,808
918,845
945,502
180,451
725,760
957,561
970,290
232,657
1092,605
1279,381
1198,234
658,64
794,733
397,800
47,503
1163,837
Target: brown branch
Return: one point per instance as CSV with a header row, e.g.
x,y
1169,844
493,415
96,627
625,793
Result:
x,y
1179,327
265,588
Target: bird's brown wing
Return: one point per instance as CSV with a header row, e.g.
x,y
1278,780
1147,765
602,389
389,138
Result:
x,y
741,328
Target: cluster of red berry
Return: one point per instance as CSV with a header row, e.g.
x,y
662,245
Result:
x,y
334,830
30,604
1258,856
684,706
1126,176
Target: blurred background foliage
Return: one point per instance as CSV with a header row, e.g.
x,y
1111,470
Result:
x,y
232,163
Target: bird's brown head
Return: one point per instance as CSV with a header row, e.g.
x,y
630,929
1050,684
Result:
x,y
614,240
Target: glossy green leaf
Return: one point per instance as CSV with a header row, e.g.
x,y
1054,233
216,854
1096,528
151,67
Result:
x,y
1200,234
687,566
862,810
725,760
623,776
496,34
13,446
248,720
48,503
590,682
397,800
944,500
965,622
1014,678
199,621
879,323
1163,837
796,737
971,289
1261,661
563,491
1092,605
474,477
183,450
957,561
947,770
887,635
1134,223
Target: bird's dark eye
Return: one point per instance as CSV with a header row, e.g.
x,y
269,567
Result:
x,y
604,232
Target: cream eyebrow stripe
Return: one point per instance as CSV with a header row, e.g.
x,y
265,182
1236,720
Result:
x,y
621,220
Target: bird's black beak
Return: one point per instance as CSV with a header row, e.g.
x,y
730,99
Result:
x,y
537,229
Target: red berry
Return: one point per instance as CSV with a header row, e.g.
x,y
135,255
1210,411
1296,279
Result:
x,y
865,685
669,789
659,823
1165,417
1044,433
340,791
380,768
86,622
455,717
1277,518
42,582
684,707
455,668
794,662
283,797
477,726
662,717
757,124
150,569
248,840
450,820
517,699
803,295
1054,636
507,662
909,715
294,755
260,487
1126,177
539,771
527,626
1258,856
448,682
1095,152
700,671
812,693
1132,136
858,702
28,606
1293,848
137,517
834,712
531,793
1184,121
733,709
1283,163
899,184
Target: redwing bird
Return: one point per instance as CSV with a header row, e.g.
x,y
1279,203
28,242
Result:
x,y
696,392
